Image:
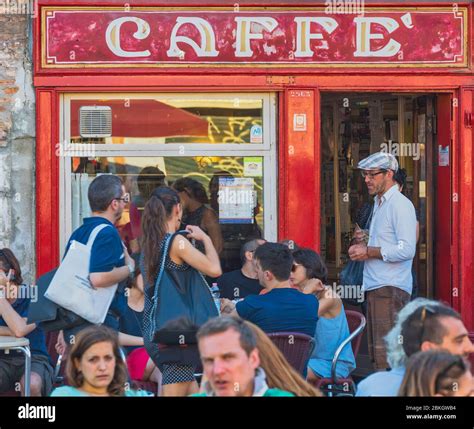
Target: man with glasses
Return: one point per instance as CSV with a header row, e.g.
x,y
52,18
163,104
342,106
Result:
x,y
110,262
388,254
429,326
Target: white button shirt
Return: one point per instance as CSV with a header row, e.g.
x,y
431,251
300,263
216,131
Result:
x,y
393,229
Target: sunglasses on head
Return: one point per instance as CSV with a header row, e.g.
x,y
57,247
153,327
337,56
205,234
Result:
x,y
295,266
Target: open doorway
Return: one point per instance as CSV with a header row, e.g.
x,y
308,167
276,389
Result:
x,y
355,125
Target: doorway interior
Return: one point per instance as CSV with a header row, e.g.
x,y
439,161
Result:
x,y
355,125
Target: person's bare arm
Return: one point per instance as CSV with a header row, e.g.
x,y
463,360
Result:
x,y
111,278
14,321
211,222
329,303
5,331
182,250
130,340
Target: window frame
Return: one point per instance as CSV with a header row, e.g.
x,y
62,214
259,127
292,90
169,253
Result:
x,y
267,150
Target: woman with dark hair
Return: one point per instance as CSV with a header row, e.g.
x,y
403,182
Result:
x,y
148,180
140,366
15,298
193,197
162,217
437,373
309,274
95,366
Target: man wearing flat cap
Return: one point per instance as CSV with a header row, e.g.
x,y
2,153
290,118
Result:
x,y
388,254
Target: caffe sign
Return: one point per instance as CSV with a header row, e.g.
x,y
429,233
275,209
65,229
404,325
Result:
x,y
144,37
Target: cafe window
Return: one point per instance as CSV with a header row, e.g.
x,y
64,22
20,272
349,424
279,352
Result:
x,y
223,146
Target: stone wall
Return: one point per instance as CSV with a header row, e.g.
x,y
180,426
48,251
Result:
x,y
17,140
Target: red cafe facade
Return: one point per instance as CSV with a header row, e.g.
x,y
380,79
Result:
x,y
284,96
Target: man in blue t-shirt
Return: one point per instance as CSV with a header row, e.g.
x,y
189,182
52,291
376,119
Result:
x,y
282,308
110,262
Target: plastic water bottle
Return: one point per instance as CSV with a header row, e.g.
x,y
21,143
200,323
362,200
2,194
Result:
x,y
216,294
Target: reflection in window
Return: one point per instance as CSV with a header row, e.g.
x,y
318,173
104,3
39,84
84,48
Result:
x,y
160,121
223,195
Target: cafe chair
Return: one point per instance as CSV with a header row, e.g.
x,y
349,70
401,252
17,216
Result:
x,y
296,348
335,386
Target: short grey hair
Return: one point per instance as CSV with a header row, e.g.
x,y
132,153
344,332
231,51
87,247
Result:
x,y
103,190
396,355
218,325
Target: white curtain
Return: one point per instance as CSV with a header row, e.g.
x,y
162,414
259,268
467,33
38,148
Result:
x,y
80,203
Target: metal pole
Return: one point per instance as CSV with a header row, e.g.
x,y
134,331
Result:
x,y
27,353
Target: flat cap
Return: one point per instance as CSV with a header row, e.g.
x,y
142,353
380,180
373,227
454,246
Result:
x,y
379,161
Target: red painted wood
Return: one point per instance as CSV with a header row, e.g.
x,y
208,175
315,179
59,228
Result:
x,y
465,228
282,155
231,3
408,82
216,70
77,37
298,199
443,219
317,171
301,214
47,179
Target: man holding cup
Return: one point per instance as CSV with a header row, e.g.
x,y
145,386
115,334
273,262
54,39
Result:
x,y
388,254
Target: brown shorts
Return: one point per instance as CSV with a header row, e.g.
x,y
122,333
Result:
x,y
12,369
383,305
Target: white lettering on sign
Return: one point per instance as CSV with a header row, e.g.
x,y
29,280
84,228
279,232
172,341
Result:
x,y
252,28
207,48
112,36
304,35
244,34
364,36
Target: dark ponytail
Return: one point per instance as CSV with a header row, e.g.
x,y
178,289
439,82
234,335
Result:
x,y
157,212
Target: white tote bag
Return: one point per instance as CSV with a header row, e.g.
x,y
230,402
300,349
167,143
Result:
x,y
71,289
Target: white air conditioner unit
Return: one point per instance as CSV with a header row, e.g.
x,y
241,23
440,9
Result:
x,y
95,121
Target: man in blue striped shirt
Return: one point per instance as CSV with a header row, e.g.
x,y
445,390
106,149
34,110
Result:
x,y
388,254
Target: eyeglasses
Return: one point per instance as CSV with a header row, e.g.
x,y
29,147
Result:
x,y
125,198
364,174
295,266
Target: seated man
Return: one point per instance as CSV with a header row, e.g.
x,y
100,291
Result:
x,y
241,283
282,308
230,360
429,326
15,299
